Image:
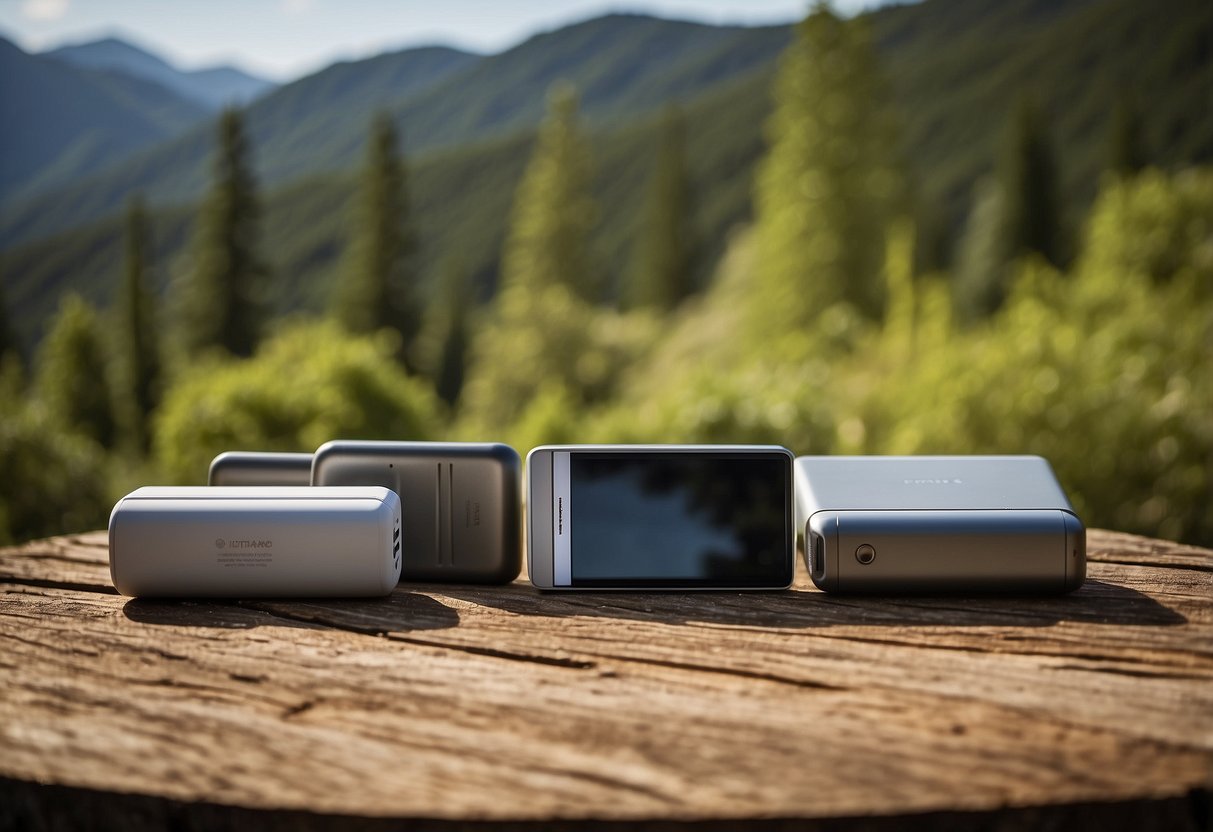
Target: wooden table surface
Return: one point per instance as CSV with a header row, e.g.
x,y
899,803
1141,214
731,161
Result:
x,y
454,707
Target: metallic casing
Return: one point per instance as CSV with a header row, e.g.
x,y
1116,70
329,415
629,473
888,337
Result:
x,y
938,524
539,547
255,542
257,468
462,519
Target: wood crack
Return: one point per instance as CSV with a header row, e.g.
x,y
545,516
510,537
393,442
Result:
x,y
1190,567
491,652
725,671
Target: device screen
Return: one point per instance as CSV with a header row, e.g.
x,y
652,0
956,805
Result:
x,y
671,519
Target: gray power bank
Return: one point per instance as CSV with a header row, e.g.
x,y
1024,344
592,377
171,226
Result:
x,y
255,542
260,468
462,514
917,524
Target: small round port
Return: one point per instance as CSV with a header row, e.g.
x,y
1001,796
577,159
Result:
x,y
865,554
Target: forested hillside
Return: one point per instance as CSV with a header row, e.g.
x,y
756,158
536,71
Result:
x,y
61,122
953,69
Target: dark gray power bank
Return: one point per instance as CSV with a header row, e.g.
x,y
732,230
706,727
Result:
x,y
460,503
260,468
918,524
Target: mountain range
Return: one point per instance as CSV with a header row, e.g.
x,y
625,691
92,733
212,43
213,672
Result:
x,y
212,88
953,68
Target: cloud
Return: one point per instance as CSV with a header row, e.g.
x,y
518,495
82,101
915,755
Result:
x,y
44,10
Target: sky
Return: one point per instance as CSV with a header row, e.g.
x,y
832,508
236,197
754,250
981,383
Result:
x,y
284,39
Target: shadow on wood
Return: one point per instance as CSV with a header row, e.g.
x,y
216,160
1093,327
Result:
x,y
1097,602
402,611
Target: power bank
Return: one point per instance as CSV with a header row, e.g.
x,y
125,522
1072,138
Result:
x,y
461,503
257,468
240,542
919,524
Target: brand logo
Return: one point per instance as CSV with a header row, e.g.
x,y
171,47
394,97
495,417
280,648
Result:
x,y
220,542
247,544
560,515
936,481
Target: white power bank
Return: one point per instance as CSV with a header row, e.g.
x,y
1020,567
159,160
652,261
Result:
x,y
253,541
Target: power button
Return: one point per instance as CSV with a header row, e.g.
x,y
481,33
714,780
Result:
x,y
865,554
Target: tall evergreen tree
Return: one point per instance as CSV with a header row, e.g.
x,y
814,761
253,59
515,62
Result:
x,y
9,346
72,373
456,300
140,351
378,288
1014,214
1029,184
982,259
661,268
548,240
1126,144
830,184
538,330
223,302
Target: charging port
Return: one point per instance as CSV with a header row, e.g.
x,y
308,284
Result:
x,y
817,548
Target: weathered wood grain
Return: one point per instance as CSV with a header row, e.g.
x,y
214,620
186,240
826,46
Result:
x,y
454,706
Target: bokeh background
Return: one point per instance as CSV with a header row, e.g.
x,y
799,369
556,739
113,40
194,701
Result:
x,y
954,226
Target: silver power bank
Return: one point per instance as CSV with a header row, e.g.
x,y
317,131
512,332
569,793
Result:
x,y
462,515
260,468
916,524
255,542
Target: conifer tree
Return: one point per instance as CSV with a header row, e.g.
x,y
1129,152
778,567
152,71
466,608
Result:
x,y
982,259
1029,185
548,240
72,373
538,328
661,269
223,300
9,346
455,300
378,289
140,351
830,184
1015,214
1126,144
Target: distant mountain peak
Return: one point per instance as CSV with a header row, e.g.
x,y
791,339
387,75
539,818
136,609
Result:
x,y
212,87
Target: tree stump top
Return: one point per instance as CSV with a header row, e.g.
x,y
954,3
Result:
x,y
454,707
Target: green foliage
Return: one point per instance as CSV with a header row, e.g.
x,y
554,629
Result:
x,y
222,301
55,481
73,374
139,374
309,383
830,185
1157,226
379,287
661,270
